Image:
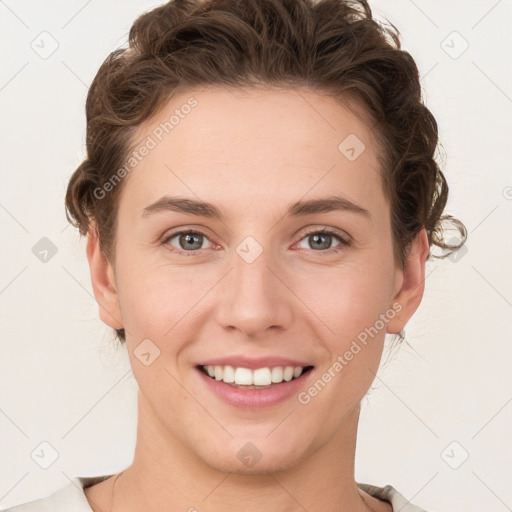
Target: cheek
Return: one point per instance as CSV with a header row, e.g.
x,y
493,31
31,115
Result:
x,y
339,299
345,299
153,300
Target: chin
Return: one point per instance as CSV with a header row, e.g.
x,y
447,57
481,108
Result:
x,y
269,464
258,456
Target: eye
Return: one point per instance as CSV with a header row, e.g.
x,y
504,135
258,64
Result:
x,y
321,240
188,241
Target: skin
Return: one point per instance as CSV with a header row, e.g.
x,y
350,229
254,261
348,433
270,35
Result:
x,y
251,154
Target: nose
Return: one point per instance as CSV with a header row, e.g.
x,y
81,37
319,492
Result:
x,y
254,297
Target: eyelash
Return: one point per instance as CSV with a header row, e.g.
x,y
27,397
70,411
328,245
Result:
x,y
343,242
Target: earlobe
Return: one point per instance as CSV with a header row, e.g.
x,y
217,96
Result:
x,y
102,279
410,294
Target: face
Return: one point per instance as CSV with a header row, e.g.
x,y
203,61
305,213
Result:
x,y
259,279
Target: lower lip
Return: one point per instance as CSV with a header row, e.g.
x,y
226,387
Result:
x,y
255,398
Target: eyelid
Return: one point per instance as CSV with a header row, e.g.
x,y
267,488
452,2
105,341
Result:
x,y
330,231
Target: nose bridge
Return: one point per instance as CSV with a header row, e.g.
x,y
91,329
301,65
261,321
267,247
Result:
x,y
253,298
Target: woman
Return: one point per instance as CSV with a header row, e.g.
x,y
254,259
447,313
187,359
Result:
x,y
260,198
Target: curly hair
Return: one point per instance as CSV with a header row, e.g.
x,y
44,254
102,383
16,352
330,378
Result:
x,y
335,47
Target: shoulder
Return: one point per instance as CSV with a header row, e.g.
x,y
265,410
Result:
x,y
70,498
390,494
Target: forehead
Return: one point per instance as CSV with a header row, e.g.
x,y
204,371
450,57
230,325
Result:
x,y
254,145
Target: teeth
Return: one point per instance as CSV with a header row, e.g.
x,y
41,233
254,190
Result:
x,y
228,374
244,376
259,377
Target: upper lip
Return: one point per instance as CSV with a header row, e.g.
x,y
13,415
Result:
x,y
253,363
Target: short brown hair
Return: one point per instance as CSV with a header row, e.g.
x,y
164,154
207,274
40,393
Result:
x,y
335,47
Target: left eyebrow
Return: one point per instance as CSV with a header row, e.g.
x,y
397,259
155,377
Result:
x,y
297,209
329,204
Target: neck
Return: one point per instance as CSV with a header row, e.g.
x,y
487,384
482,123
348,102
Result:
x,y
164,471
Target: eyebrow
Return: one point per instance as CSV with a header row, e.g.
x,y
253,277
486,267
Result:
x,y
297,209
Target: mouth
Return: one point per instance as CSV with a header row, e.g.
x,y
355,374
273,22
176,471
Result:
x,y
261,378
258,389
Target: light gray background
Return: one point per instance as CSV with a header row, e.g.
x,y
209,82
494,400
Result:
x,y
61,380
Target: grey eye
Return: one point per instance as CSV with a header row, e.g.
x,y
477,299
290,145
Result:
x,y
320,240
187,240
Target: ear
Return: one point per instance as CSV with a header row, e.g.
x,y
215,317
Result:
x,y
410,283
103,283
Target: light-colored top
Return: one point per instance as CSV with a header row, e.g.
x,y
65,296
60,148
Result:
x,y
71,497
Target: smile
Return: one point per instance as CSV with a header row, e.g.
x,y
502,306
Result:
x,y
244,391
